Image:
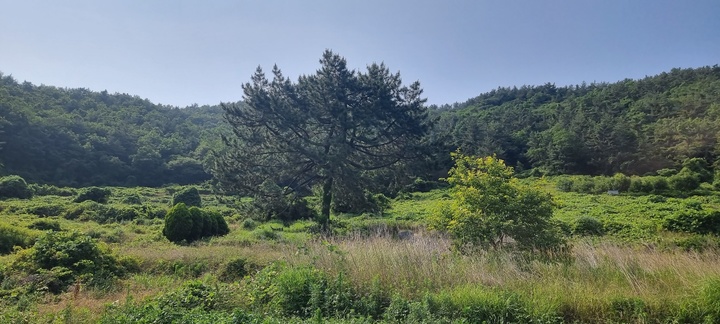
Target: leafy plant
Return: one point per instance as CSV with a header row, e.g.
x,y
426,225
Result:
x,y
72,256
14,187
11,236
491,207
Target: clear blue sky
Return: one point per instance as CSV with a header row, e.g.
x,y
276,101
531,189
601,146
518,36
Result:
x,y
181,52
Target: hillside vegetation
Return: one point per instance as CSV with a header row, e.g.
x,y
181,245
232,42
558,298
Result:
x,y
593,203
77,137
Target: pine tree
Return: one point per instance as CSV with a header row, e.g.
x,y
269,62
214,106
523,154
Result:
x,y
326,129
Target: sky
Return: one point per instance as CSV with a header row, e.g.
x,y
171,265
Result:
x,y
181,52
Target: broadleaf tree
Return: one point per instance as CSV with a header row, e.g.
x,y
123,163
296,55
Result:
x,y
492,208
327,130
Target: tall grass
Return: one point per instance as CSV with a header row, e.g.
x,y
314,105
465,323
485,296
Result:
x,y
598,281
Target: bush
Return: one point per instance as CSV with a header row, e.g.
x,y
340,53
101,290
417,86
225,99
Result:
x,y
12,236
658,184
45,210
686,180
178,224
235,269
491,207
698,167
188,196
183,224
694,221
99,195
14,187
640,185
50,190
133,199
565,184
44,225
70,257
621,182
587,225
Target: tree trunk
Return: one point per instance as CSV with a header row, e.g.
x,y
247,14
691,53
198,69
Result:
x,y
324,219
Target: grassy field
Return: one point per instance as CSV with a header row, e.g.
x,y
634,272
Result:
x,y
628,264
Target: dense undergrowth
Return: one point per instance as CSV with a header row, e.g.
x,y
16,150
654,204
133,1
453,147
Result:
x,y
635,258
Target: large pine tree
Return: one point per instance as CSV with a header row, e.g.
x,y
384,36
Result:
x,y
327,129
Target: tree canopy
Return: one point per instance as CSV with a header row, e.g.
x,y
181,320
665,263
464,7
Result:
x,y
330,129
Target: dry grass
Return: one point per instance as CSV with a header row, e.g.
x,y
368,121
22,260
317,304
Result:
x,y
594,271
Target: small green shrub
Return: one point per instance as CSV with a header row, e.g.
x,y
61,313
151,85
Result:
x,y
99,195
249,224
50,190
658,184
183,224
70,256
621,182
12,236
640,185
694,221
45,225
685,181
133,199
587,225
14,187
236,269
45,210
565,184
189,196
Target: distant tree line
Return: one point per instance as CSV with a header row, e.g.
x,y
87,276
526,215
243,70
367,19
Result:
x,y
78,137
631,126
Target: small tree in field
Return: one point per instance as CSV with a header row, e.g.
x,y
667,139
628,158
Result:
x,y
491,208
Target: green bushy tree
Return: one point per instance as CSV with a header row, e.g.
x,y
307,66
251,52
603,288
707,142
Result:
x,y
178,224
14,187
191,224
491,208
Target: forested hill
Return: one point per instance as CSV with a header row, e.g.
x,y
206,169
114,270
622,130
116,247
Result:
x,y
77,137
631,126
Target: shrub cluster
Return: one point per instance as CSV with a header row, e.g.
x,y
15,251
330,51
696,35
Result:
x,y
14,187
688,179
50,190
101,213
60,259
191,224
11,236
99,195
694,221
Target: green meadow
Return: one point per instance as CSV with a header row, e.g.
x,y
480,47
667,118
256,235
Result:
x,y
632,258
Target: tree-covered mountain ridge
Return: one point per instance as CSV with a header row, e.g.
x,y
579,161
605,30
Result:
x,y
78,137
630,126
